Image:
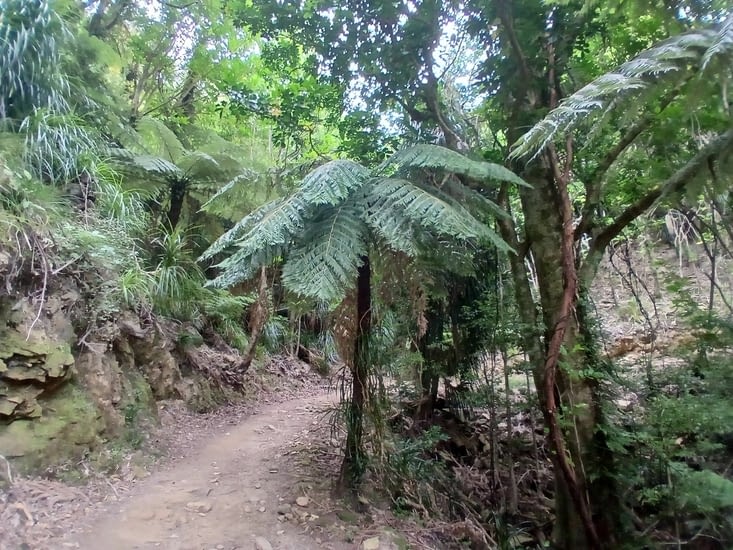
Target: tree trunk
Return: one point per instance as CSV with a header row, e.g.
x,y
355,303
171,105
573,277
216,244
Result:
x,y
257,321
177,196
354,464
587,512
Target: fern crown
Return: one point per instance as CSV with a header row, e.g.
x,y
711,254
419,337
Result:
x,y
325,228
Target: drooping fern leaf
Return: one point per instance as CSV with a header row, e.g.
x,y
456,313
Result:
x,y
473,200
160,140
244,177
324,262
670,61
392,199
146,166
436,157
722,45
271,224
244,264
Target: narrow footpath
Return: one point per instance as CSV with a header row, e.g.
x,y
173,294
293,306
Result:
x,y
237,489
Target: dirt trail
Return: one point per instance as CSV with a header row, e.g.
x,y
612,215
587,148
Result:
x,y
224,494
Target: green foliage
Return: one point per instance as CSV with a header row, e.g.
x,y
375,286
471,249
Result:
x,y
693,54
410,473
30,32
322,261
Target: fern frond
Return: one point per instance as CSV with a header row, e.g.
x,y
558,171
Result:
x,y
333,182
202,166
473,200
440,158
673,58
145,165
722,46
246,176
323,265
273,224
160,140
392,198
245,264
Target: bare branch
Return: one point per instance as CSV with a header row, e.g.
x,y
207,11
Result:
x,y
674,183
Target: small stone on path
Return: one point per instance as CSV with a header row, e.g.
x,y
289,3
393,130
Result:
x,y
201,507
302,501
370,544
261,543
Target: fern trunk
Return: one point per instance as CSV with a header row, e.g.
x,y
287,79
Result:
x,y
354,461
178,190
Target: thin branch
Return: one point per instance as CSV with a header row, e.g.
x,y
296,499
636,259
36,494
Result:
x,y
676,182
593,185
506,19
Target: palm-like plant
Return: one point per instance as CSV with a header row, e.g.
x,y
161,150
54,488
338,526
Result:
x,y
340,212
155,156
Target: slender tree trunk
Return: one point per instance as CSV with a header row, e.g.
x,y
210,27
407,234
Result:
x,y
258,319
177,196
353,464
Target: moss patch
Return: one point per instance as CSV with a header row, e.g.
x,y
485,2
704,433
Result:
x,y
69,427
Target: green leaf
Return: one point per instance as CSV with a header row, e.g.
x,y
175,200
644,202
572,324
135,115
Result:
x,y
440,158
324,263
392,199
333,182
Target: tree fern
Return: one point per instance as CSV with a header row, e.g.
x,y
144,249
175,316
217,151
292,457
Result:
x,y
669,62
323,229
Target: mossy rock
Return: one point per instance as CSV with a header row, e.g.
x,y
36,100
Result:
x,y
69,427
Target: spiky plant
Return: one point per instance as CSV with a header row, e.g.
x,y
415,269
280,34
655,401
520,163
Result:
x,y
35,92
341,212
30,58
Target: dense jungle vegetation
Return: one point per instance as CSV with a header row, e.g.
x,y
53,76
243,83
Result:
x,y
431,194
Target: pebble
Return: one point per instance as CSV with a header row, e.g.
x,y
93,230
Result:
x,y
201,506
302,501
370,544
261,543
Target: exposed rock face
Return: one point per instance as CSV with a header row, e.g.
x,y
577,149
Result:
x,y
33,360
56,406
